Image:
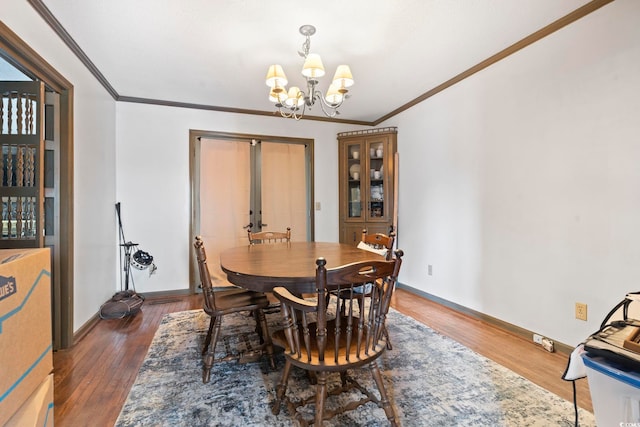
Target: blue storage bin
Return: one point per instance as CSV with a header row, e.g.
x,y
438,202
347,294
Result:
x,y
615,391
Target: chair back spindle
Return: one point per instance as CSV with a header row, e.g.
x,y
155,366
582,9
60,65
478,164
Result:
x,y
322,337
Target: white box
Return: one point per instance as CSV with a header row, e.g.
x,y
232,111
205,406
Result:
x,y
615,391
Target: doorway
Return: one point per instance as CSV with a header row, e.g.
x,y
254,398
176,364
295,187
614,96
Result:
x,y
242,182
16,53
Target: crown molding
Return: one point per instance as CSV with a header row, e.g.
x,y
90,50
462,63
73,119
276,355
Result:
x,y
582,11
530,39
57,27
232,110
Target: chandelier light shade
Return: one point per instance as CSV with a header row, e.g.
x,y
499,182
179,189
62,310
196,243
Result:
x,y
295,98
276,78
313,67
343,78
277,97
293,102
333,95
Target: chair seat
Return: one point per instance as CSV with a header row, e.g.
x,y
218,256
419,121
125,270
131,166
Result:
x,y
360,291
330,363
234,300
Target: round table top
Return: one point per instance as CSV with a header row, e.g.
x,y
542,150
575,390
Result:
x,y
292,265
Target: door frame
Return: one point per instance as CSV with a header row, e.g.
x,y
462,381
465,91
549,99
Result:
x,y
194,174
23,57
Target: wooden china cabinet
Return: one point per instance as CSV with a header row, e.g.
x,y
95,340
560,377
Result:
x,y
366,180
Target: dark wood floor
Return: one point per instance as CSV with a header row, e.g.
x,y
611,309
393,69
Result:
x,y
93,378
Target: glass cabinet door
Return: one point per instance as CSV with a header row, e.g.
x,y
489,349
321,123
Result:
x,y
376,156
366,177
355,174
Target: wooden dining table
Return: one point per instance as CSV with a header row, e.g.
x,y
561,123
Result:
x,y
291,265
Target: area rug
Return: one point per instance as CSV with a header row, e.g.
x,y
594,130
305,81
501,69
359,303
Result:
x,y
432,380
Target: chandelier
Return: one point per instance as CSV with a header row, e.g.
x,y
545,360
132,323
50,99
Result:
x,y
293,102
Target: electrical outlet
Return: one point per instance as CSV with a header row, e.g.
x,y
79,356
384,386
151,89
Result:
x,y
537,339
430,270
581,311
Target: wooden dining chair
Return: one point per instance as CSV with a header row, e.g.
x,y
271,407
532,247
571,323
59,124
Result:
x,y
269,236
266,237
218,304
383,245
321,342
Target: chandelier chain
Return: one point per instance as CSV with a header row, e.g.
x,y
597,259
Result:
x,y
306,47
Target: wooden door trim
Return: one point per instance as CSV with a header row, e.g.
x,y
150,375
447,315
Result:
x,y
29,61
194,189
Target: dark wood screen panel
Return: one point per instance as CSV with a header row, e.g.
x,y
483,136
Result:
x,y
21,118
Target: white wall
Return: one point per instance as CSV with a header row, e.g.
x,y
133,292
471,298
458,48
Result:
x,y
94,169
527,176
528,180
153,179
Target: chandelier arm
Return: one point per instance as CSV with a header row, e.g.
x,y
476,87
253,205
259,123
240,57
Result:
x,y
330,110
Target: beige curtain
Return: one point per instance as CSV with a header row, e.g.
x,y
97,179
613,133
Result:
x,y
224,199
284,188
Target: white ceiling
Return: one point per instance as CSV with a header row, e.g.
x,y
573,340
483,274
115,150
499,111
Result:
x,y
216,53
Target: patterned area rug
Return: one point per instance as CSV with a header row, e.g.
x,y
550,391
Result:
x,y
432,381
